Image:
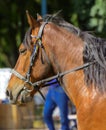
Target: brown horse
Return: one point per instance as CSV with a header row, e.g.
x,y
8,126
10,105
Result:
x,y
52,46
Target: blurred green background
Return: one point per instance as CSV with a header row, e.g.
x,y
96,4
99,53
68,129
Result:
x,y
88,15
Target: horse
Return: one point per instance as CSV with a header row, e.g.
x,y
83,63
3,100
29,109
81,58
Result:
x,y
54,48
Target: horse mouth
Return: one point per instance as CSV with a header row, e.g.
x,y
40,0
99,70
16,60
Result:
x,y
23,96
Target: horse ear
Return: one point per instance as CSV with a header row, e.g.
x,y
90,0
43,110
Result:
x,y
32,22
39,17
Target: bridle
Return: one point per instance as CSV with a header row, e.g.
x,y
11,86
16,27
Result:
x,y
36,85
37,45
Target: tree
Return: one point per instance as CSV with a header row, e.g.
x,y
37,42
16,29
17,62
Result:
x,y
13,28
88,15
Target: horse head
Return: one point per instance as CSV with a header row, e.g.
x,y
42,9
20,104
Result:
x,y
32,65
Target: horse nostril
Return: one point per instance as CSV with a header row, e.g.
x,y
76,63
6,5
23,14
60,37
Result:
x,y
9,94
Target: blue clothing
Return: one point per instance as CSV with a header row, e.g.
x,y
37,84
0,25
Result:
x,y
56,97
5,101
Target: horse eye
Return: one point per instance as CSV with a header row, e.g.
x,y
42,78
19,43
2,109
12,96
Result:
x,y
22,51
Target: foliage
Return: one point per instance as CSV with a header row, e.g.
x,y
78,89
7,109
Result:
x,y
98,16
12,28
89,15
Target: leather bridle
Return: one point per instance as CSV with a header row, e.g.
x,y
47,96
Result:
x,y
37,45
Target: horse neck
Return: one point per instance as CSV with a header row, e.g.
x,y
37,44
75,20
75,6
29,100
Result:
x,y
65,52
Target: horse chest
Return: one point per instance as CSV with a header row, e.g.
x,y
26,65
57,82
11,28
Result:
x,y
92,116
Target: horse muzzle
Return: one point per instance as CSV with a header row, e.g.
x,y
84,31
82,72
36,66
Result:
x,y
19,96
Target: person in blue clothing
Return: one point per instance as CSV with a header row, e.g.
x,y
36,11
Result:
x,y
56,97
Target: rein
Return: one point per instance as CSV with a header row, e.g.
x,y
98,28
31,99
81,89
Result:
x,y
59,75
36,85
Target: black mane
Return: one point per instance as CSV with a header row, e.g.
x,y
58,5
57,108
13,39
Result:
x,y
58,20
94,49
